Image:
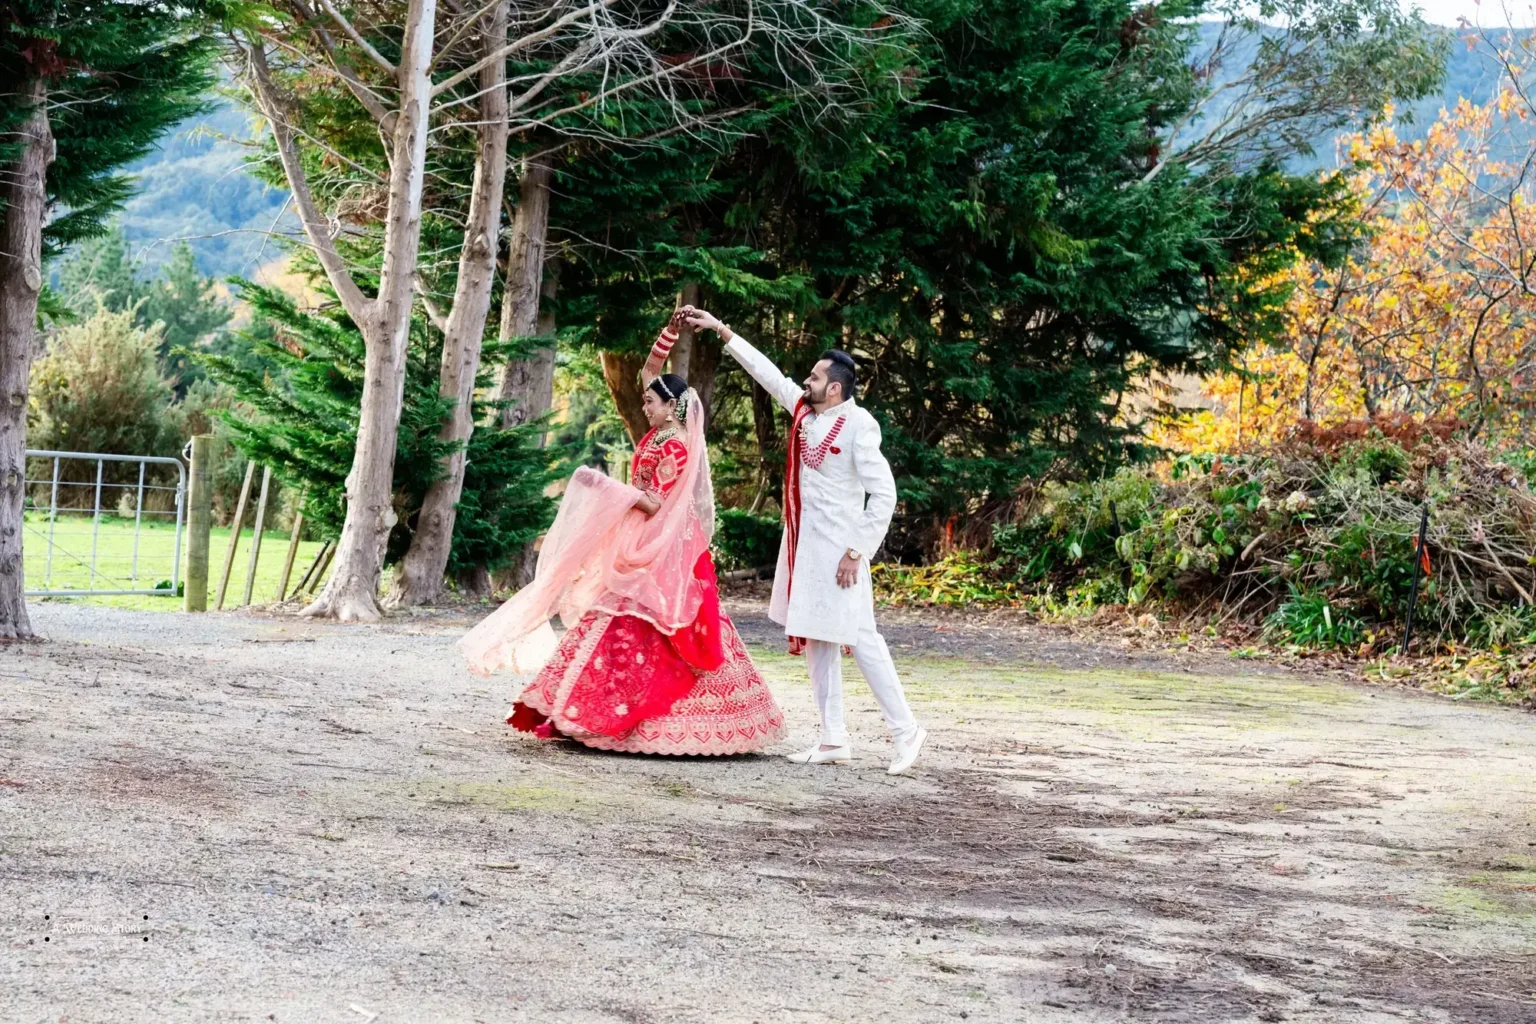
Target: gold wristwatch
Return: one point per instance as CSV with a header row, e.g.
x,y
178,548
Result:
x,y
852,554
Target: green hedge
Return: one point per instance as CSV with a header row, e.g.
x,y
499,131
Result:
x,y
746,541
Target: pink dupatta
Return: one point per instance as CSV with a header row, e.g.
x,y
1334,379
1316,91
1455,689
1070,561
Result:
x,y
604,554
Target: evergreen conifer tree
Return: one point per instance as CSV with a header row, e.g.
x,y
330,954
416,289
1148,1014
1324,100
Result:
x,y
85,88
185,304
306,392
100,273
995,248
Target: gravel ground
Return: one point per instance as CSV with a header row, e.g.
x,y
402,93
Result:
x,y
244,818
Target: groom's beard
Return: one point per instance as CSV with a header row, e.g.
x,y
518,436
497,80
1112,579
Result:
x,y
814,397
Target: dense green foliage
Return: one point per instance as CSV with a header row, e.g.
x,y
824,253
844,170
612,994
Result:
x,y
122,73
746,541
305,403
99,389
183,303
993,251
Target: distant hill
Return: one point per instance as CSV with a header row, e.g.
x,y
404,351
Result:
x,y
1470,73
195,186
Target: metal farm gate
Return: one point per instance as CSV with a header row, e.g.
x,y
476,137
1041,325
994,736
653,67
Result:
x,y
100,524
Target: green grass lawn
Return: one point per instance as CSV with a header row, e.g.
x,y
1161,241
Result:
x,y
114,543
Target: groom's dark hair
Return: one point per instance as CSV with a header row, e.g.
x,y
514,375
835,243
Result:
x,y
843,369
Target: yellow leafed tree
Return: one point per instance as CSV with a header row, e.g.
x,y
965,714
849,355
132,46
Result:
x,y
1432,316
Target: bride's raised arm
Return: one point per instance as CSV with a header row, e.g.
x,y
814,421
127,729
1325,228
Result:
x,y
659,351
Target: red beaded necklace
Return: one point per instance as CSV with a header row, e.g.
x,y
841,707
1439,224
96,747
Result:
x,y
814,457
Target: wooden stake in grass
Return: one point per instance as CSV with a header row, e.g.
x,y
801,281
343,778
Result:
x,y
261,521
325,565
1420,561
293,548
309,573
234,534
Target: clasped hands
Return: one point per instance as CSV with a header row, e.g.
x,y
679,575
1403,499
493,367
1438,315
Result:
x,y
701,319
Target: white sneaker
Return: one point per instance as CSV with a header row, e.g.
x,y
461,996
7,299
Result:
x,y
906,752
815,755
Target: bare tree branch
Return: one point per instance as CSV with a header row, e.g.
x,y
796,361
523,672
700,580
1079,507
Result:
x,y
357,37
358,306
467,27
519,44
368,97
434,311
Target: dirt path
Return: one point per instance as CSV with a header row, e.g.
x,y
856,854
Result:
x,y
233,818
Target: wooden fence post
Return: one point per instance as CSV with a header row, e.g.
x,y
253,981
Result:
x,y
199,525
293,548
261,522
324,567
234,534
303,584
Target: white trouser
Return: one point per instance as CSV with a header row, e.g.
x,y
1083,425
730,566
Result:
x,y
825,661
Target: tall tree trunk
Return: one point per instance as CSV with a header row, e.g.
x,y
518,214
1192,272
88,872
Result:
x,y
702,370
621,372
23,191
682,352
765,426
419,579
352,592
547,295
696,356
537,397
528,385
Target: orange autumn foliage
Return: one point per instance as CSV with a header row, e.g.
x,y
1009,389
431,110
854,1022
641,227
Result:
x,y
1430,318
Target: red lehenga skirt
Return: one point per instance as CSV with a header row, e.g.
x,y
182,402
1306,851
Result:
x,y
616,682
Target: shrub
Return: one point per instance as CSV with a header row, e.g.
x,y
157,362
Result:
x,y
1073,524
1311,620
1314,537
99,389
960,578
1375,563
746,541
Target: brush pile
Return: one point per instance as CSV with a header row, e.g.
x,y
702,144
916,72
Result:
x,y
1313,540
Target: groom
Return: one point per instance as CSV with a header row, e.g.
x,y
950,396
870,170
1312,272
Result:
x,y
838,498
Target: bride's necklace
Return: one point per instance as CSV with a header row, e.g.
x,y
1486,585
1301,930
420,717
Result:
x,y
662,436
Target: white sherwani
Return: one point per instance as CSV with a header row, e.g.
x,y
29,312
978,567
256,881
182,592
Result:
x,y
846,503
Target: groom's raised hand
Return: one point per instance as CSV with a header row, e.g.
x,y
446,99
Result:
x,y
705,320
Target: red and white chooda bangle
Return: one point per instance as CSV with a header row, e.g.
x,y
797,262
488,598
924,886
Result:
x,y
663,347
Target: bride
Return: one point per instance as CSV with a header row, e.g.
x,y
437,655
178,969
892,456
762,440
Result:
x,y
649,663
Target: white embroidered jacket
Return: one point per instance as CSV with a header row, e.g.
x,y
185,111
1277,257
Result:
x,y
847,496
